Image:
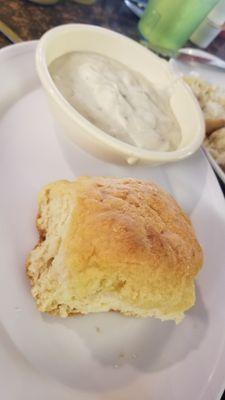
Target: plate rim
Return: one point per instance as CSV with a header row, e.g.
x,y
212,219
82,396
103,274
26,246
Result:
x,y
16,48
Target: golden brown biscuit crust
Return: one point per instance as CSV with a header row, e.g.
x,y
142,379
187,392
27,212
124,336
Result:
x,y
128,239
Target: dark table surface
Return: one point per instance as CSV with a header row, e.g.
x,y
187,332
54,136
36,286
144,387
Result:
x,y
30,21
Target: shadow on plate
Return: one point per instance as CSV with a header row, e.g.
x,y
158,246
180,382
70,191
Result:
x,y
176,178
121,347
14,95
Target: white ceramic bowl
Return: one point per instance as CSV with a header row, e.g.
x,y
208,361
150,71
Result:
x,y
79,37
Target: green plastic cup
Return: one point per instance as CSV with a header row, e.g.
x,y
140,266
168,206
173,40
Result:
x,y
168,24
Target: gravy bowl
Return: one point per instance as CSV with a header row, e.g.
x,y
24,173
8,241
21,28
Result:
x,y
79,37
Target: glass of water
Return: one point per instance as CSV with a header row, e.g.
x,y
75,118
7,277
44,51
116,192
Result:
x,y
168,24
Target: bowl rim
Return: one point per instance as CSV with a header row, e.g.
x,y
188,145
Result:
x,y
131,152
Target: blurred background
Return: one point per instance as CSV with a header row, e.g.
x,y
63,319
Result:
x,y
29,19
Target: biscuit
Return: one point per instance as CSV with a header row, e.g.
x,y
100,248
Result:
x,y
113,244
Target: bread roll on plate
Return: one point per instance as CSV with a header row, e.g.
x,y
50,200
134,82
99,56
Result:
x,y
113,244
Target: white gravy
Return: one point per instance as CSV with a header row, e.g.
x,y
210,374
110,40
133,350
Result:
x,y
117,100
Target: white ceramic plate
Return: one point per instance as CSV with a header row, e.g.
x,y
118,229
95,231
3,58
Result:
x,y
103,356
211,75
